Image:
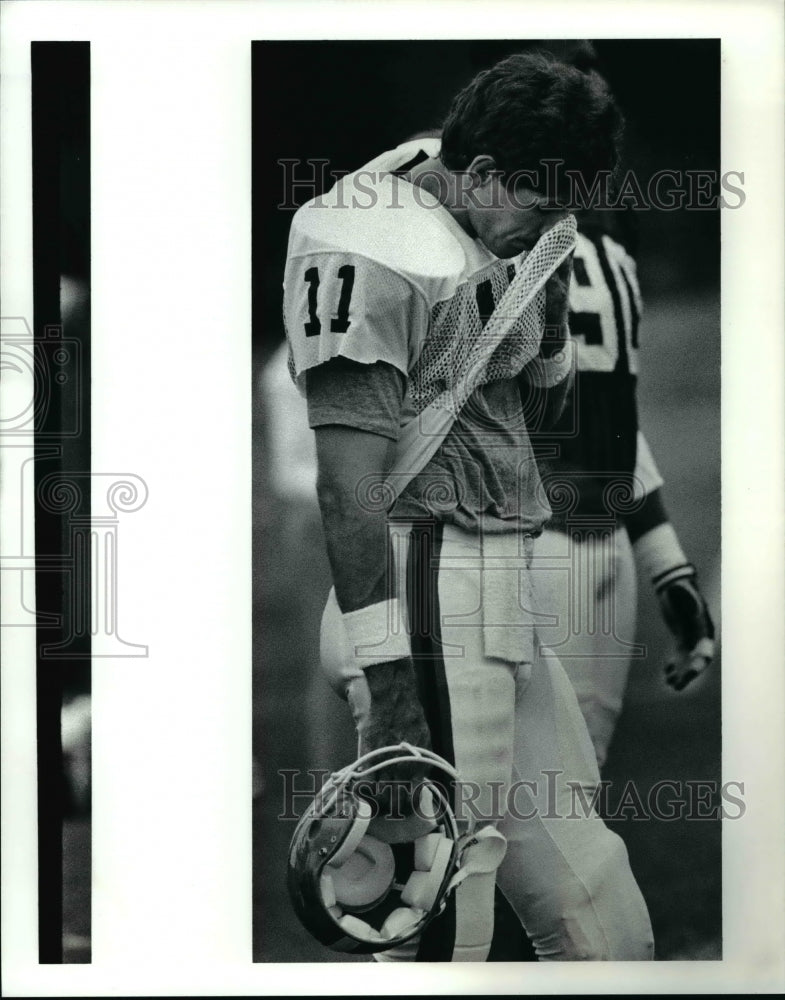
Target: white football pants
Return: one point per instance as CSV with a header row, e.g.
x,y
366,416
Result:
x,y
589,584
517,737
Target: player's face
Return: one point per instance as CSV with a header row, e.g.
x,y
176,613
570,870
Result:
x,y
509,221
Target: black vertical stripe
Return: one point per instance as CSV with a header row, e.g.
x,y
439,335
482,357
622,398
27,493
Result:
x,y
579,272
634,313
438,939
424,613
623,362
60,110
49,526
437,942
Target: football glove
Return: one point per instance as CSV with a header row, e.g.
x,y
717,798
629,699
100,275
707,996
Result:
x,y
687,616
660,556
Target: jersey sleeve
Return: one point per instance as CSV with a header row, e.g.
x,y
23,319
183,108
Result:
x,y
366,397
338,304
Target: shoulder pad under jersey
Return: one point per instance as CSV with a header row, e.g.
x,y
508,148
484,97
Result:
x,y
374,214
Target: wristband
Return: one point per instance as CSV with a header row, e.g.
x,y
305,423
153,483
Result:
x,y
660,556
377,633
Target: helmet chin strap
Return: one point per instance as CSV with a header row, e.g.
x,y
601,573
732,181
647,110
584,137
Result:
x,y
480,853
352,889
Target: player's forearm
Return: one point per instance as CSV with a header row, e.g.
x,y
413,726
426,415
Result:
x,y
655,543
649,515
381,685
384,703
352,468
357,543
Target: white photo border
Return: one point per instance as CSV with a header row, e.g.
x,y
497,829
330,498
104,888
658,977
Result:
x,y
170,106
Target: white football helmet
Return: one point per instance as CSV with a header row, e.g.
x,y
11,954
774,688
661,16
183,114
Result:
x,y
364,882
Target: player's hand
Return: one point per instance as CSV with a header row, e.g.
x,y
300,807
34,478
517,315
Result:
x,y
557,293
393,715
687,616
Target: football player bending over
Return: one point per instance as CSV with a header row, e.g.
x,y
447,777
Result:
x,y
431,500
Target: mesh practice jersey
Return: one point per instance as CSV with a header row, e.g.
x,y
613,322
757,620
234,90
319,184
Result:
x,y
378,270
595,461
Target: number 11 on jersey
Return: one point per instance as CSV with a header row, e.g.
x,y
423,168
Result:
x,y
340,322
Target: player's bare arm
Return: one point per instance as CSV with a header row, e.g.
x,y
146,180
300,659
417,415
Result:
x,y
352,463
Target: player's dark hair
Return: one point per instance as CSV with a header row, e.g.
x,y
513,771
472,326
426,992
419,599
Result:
x,y
529,108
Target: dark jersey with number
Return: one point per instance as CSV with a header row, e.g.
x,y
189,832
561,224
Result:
x,y
588,458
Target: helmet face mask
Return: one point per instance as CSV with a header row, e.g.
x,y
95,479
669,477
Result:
x,y
364,882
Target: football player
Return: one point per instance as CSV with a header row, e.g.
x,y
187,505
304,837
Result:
x,y
430,631
606,495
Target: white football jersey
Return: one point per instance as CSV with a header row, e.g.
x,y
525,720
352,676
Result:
x,y
379,271
376,267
